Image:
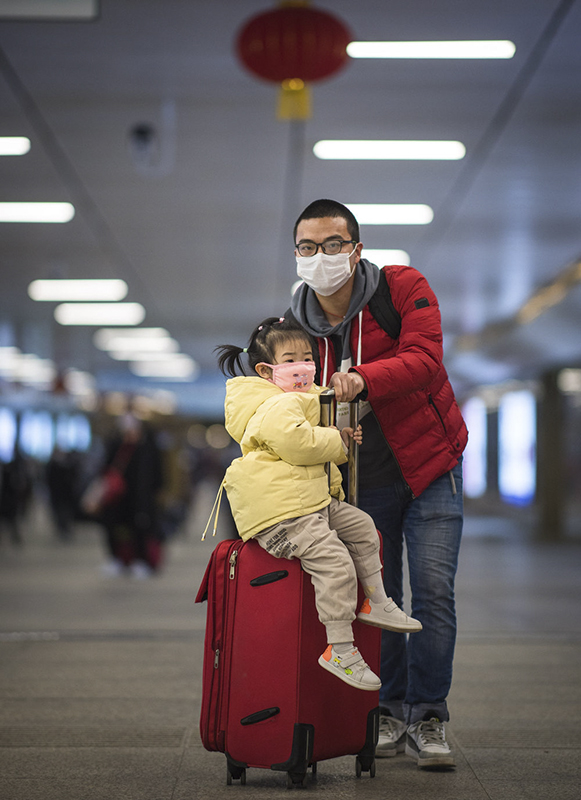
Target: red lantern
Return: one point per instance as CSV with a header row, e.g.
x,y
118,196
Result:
x,y
291,45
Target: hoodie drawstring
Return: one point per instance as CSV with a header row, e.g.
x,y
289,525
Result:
x,y
214,512
325,374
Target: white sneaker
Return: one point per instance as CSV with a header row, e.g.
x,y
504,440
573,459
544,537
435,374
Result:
x,y
112,568
426,742
140,570
389,617
392,735
351,668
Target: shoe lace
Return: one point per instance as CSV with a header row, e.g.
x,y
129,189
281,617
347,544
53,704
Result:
x,y
387,726
432,732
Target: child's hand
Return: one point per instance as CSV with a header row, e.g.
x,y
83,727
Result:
x,y
349,433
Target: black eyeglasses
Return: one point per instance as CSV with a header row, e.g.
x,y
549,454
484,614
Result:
x,y
330,248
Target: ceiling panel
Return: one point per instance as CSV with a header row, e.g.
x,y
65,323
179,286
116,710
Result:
x,y
201,229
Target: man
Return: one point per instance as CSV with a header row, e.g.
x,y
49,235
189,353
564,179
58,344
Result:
x,y
410,474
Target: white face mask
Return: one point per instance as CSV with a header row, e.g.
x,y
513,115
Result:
x,y
325,274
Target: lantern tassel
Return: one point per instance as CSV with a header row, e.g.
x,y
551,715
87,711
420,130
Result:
x,y
294,100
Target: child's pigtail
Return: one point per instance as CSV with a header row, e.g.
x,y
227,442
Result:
x,y
229,359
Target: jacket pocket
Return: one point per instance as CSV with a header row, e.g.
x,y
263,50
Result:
x,y
437,413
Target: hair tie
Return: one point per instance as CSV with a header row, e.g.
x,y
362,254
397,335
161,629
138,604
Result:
x,y
244,349
281,320
260,327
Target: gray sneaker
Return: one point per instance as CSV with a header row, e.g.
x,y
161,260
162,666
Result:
x,y
426,742
391,736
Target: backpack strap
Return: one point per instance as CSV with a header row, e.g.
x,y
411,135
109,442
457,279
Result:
x,y
382,308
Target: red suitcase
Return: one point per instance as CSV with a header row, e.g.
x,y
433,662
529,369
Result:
x,y
266,701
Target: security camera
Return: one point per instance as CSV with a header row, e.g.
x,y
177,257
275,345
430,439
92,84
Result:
x,y
143,138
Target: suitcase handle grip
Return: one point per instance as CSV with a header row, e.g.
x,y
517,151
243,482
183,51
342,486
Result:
x,y
260,716
269,577
326,399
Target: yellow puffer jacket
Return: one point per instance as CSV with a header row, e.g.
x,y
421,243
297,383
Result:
x,y
281,473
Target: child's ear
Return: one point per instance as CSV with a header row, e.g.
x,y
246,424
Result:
x,y
263,371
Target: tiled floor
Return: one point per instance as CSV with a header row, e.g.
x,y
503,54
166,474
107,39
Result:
x,y
100,680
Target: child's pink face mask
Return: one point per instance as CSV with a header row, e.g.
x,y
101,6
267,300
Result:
x,y
293,376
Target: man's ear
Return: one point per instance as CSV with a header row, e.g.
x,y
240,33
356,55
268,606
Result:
x,y
358,250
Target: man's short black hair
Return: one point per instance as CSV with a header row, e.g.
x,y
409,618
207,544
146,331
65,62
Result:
x,y
329,208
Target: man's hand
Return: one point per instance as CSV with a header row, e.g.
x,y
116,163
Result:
x,y
347,385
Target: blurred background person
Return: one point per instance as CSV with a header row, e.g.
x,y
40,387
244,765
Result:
x,y
15,493
62,485
129,507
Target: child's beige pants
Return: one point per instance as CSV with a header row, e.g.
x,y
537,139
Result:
x,y
335,546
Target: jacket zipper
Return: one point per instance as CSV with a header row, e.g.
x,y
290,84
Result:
x,y
450,473
435,407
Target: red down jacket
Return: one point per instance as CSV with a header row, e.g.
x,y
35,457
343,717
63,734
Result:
x,y
407,384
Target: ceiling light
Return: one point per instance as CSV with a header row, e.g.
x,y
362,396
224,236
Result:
x,y
46,290
376,150
42,10
99,313
456,49
14,145
143,351
382,257
36,212
143,355
391,214
35,371
103,337
25,367
8,358
180,367
78,382
7,353
141,343
569,381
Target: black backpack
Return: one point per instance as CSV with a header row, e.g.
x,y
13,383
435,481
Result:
x,y
382,308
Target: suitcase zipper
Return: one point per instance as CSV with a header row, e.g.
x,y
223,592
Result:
x,y
232,563
216,657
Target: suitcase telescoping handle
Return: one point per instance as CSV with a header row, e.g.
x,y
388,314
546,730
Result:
x,y
327,398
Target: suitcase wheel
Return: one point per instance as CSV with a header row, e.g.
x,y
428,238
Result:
x,y
236,774
296,779
365,765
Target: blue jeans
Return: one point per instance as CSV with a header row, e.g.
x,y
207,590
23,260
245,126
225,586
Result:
x,y
416,671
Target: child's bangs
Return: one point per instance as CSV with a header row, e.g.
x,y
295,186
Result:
x,y
280,338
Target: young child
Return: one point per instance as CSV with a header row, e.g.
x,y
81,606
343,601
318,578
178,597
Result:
x,y
279,490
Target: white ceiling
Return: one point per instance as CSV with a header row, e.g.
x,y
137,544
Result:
x,y
203,236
